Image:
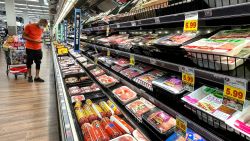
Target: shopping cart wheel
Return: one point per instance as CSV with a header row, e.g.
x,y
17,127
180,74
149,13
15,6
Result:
x,y
16,76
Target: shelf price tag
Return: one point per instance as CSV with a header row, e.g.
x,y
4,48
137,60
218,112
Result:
x,y
133,23
132,60
108,52
188,78
157,20
63,50
234,94
191,22
181,126
96,60
118,25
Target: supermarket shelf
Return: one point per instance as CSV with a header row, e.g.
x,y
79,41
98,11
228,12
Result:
x,y
203,74
68,130
124,112
195,127
232,11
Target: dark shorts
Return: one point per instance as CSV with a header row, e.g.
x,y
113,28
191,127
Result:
x,y
34,56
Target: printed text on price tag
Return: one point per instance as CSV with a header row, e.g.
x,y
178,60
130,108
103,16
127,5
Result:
x,y
61,51
188,78
132,60
191,22
234,93
181,126
108,53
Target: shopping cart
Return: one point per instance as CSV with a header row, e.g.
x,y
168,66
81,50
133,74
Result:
x,y
16,61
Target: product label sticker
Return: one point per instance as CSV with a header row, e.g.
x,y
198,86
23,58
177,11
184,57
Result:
x,y
132,60
157,20
133,23
234,92
191,22
63,50
181,126
188,78
108,52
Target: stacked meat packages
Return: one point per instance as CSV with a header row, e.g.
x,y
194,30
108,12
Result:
x,y
224,51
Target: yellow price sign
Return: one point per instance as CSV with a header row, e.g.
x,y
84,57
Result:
x,y
108,53
190,25
96,60
188,78
132,60
234,93
63,50
181,126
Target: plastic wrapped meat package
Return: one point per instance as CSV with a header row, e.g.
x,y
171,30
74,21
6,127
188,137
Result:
x,y
71,80
173,84
197,95
77,98
97,72
147,79
159,120
74,90
139,107
190,136
123,62
125,137
215,47
92,88
139,136
225,63
235,33
240,121
175,39
124,94
118,68
131,72
107,80
82,59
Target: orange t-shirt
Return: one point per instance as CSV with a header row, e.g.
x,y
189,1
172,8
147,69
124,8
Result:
x,y
33,32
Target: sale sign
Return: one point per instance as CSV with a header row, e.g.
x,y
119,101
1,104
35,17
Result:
x,y
77,30
191,22
234,93
188,78
181,126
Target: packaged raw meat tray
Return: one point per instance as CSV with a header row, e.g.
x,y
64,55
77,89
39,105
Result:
x,y
190,136
118,68
139,136
123,62
240,121
107,80
175,39
139,107
172,84
125,137
236,33
131,72
124,94
97,72
225,64
147,79
74,90
160,121
215,47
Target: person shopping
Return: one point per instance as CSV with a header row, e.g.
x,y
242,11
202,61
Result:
x,y
33,36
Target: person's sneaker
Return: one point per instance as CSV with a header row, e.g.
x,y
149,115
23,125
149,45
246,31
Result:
x,y
30,79
38,79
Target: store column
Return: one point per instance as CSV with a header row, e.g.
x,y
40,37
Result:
x,y
25,17
11,16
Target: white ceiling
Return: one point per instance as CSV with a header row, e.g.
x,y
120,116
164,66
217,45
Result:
x,y
35,8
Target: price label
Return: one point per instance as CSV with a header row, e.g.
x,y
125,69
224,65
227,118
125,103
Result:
x,y
63,50
118,25
152,61
181,126
191,22
108,53
133,23
107,30
188,78
157,20
132,59
234,93
96,60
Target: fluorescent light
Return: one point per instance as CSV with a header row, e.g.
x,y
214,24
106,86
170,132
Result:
x,y
69,4
19,8
39,6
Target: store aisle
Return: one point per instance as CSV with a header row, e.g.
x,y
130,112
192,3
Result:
x,y
28,111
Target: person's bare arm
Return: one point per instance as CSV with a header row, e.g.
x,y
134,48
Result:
x,y
26,37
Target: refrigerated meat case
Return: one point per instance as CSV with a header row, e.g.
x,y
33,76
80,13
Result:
x,y
211,14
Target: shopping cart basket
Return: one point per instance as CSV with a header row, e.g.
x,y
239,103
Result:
x,y
16,62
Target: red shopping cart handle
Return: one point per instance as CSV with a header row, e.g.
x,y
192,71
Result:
x,y
22,69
